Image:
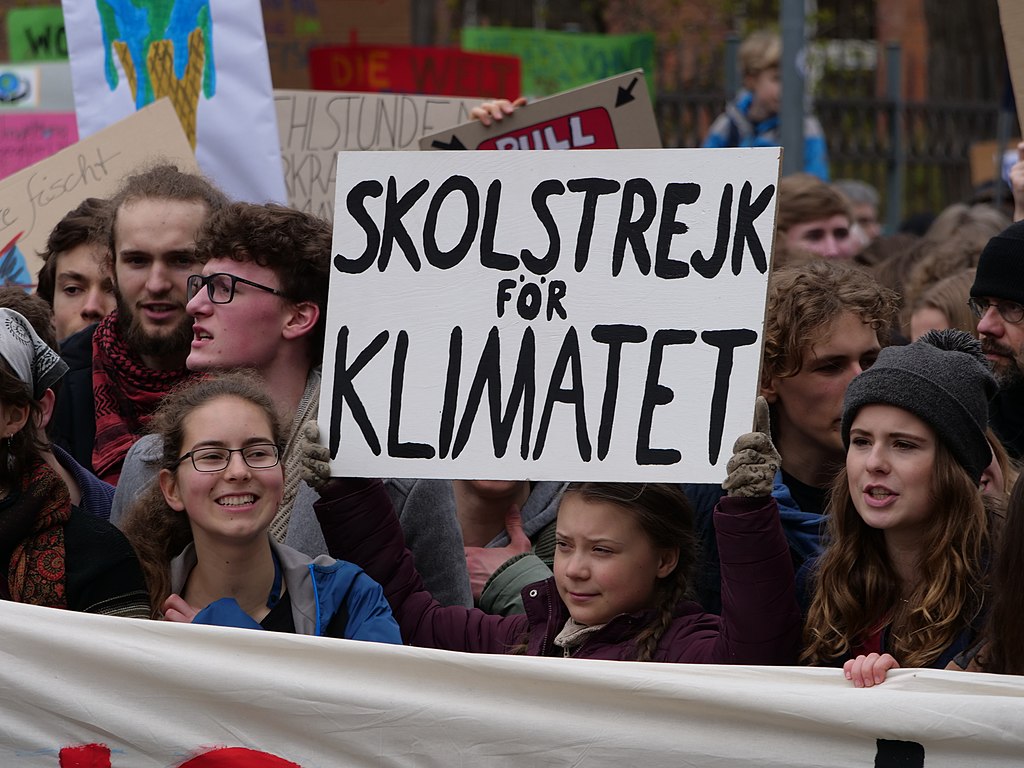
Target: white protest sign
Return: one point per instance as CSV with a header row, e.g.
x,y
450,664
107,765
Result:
x,y
208,58
104,692
546,316
315,125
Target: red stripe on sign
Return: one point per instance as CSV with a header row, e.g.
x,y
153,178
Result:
x,y
587,129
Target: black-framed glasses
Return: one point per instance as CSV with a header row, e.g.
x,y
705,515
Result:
x,y
215,459
1010,311
220,286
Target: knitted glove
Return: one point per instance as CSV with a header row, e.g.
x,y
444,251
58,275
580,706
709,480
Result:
x,y
315,458
754,459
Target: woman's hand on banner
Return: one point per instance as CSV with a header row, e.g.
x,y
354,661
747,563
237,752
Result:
x,y
866,671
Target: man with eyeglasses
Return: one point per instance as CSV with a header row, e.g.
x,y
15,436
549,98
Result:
x,y
121,367
997,300
258,301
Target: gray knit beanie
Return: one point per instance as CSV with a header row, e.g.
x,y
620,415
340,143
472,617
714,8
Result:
x,y
943,379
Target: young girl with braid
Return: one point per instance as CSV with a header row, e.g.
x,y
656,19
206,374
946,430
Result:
x,y
622,565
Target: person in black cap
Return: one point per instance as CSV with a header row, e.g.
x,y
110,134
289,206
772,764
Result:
x,y
997,300
900,581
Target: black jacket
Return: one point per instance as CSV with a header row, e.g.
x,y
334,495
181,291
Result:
x,y
73,426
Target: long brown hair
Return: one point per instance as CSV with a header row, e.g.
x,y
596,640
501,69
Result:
x,y
857,589
1005,631
157,532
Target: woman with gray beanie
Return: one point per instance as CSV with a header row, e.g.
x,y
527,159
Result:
x,y
901,579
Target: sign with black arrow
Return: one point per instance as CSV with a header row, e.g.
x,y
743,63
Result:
x,y
615,113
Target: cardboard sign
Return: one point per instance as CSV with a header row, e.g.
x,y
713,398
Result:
x,y
316,125
36,34
36,198
1011,18
557,61
613,114
27,138
408,69
546,316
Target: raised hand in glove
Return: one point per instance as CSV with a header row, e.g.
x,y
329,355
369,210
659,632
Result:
x,y
315,458
754,459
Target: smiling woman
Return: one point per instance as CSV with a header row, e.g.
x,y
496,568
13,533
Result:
x,y
202,530
901,581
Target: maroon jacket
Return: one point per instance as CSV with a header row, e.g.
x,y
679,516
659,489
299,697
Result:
x,y
760,621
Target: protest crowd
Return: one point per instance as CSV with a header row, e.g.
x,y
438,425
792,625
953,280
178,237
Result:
x,y
160,456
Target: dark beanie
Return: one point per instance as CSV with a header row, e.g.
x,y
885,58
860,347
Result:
x,y
943,379
1001,266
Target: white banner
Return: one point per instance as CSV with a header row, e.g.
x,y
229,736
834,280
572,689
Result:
x,y
97,691
592,315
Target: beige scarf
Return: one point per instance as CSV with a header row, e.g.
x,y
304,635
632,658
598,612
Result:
x,y
292,459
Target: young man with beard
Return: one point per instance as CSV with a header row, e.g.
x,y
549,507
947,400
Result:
x,y
258,298
997,299
123,366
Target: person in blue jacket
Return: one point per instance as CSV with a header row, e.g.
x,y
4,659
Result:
x,y
752,119
202,532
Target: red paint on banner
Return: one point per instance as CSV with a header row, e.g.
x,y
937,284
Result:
x,y
98,756
85,756
237,757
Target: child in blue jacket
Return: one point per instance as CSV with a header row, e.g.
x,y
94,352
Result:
x,y
752,119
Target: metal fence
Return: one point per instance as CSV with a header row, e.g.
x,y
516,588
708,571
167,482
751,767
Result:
x,y
872,139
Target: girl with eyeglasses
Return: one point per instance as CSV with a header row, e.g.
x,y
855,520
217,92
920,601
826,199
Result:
x,y
202,531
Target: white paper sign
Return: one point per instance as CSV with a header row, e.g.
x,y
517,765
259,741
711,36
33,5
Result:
x,y
80,690
546,316
208,56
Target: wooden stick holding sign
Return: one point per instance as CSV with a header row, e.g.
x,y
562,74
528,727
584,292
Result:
x,y
546,316
615,113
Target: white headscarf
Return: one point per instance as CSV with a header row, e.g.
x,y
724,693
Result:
x,y
38,366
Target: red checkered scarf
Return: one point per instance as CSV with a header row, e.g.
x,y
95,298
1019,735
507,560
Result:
x,y
126,393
